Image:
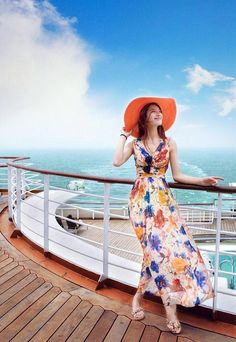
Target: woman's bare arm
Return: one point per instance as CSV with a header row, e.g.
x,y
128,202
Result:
x,y
180,177
123,152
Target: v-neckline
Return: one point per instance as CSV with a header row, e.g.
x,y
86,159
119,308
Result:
x,y
151,155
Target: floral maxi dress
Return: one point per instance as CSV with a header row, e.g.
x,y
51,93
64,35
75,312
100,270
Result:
x,y
172,266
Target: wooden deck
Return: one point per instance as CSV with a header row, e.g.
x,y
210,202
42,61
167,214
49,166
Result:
x,y
36,304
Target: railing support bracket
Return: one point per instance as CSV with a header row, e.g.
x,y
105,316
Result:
x,y
16,233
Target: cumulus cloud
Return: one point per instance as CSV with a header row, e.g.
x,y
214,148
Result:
x,y
45,68
227,102
198,77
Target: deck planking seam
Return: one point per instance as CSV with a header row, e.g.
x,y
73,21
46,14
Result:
x,y
29,314
11,282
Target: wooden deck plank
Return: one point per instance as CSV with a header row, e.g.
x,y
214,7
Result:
x,y
203,334
12,281
22,320
17,287
169,337
38,322
64,284
86,325
10,273
3,256
8,267
72,321
118,329
12,251
55,322
102,327
18,297
134,332
150,334
23,305
5,263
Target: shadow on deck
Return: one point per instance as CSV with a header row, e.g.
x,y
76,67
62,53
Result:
x,y
41,300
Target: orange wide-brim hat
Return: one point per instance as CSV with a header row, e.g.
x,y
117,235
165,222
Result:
x,y
132,112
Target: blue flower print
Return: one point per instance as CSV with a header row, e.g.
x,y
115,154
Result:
x,y
172,208
148,159
154,266
147,168
182,230
160,146
189,246
165,183
139,224
161,281
148,271
155,242
143,151
201,278
147,197
183,255
149,210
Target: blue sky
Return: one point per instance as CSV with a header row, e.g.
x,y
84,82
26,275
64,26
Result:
x,y
149,40
112,51
148,45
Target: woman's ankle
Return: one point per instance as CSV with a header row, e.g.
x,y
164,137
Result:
x,y
137,298
171,312
138,295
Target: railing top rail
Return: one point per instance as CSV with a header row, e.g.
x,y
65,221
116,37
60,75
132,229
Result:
x,y
13,159
217,189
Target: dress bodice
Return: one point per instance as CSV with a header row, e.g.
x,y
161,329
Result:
x,y
146,164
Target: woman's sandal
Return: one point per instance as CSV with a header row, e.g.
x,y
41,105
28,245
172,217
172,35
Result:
x,y
174,326
138,314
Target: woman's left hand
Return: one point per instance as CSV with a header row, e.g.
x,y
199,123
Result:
x,y
213,180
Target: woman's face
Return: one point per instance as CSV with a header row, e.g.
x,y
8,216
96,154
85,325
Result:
x,y
154,115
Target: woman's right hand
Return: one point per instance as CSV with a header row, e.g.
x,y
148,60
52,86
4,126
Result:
x,y
123,131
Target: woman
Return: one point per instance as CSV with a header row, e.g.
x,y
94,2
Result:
x,y
172,266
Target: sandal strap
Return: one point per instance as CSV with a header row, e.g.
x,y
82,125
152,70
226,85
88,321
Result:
x,y
137,310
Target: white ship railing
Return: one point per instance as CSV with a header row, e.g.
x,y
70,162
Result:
x,y
36,206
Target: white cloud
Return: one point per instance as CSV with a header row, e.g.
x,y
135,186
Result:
x,y
228,101
182,107
199,77
45,68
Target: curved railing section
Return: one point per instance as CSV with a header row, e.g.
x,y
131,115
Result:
x,y
95,234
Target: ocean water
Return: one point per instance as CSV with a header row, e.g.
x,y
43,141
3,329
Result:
x,y
98,162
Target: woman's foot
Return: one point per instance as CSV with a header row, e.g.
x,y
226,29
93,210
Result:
x,y
172,322
174,326
137,310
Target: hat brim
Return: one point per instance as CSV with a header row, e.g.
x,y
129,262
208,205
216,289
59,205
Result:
x,y
132,112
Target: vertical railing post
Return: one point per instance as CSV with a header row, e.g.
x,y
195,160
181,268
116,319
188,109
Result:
x,y
46,210
9,197
17,211
217,252
106,223
18,199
